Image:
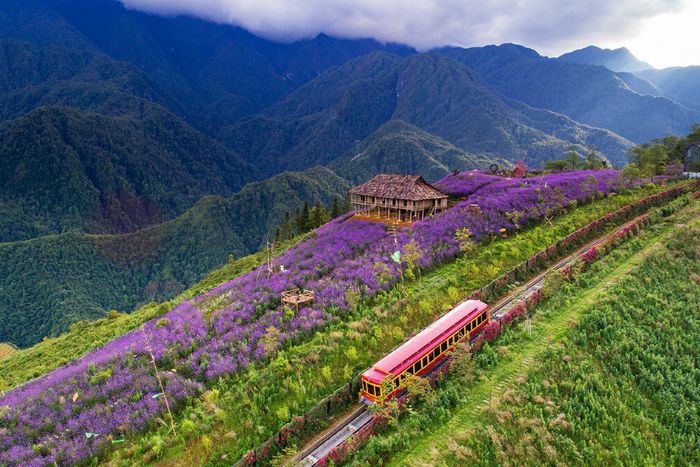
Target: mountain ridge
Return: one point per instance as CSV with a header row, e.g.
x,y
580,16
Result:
x,y
620,59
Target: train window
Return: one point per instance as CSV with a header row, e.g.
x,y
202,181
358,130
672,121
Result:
x,y
425,361
417,366
443,347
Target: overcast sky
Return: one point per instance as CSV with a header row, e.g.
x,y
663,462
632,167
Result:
x,y
661,32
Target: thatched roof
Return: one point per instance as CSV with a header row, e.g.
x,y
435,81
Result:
x,y
411,187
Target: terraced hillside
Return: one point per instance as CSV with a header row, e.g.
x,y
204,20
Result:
x,y
626,326
217,340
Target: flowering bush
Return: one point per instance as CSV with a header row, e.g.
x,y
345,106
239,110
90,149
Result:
x,y
114,391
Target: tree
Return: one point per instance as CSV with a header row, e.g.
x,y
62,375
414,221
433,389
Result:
x,y
572,158
299,222
278,235
347,204
418,389
462,364
319,216
287,226
305,222
335,208
594,160
385,408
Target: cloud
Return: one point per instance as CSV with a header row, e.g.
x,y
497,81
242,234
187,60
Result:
x,y
551,26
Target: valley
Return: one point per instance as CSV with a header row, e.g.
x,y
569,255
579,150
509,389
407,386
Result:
x,y
443,233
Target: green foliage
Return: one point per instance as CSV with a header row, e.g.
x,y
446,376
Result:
x,y
399,147
589,94
325,361
653,158
619,385
50,353
93,274
572,160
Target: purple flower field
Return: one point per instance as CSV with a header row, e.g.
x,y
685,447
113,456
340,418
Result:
x,y
76,411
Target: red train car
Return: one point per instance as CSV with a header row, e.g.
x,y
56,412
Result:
x,y
420,354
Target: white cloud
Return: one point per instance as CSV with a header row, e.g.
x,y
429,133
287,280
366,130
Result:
x,y
550,26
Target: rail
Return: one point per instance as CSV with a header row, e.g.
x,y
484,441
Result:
x,y
361,416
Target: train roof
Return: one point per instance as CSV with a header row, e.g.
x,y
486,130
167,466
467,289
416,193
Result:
x,y
404,355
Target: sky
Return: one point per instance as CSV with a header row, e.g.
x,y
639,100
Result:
x,y
660,32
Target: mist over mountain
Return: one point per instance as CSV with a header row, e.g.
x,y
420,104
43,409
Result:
x,y
589,94
613,59
679,83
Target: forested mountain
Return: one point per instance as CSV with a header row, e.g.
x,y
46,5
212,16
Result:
x,y
613,59
588,94
216,73
61,169
399,147
322,119
679,83
114,121
48,283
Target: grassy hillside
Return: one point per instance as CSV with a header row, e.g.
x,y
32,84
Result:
x,y
87,335
399,147
50,282
6,350
608,375
272,392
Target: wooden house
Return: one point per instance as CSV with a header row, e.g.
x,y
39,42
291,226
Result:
x,y
401,198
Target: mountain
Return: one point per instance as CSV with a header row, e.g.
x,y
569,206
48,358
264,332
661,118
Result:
x,y
326,117
48,283
216,73
589,94
613,59
399,147
679,83
61,169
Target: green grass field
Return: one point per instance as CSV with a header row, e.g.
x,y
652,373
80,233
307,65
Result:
x,y
6,350
609,375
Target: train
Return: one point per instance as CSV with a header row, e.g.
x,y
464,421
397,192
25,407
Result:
x,y
425,351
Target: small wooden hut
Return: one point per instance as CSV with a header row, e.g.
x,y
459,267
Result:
x,y
393,197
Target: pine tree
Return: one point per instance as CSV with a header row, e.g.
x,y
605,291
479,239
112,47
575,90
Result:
x,y
287,226
278,235
335,208
347,205
318,215
305,218
299,222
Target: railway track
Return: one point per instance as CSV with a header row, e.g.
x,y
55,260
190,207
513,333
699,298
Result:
x,y
361,415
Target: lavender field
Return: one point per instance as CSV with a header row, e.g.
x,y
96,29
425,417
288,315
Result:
x,y
111,393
